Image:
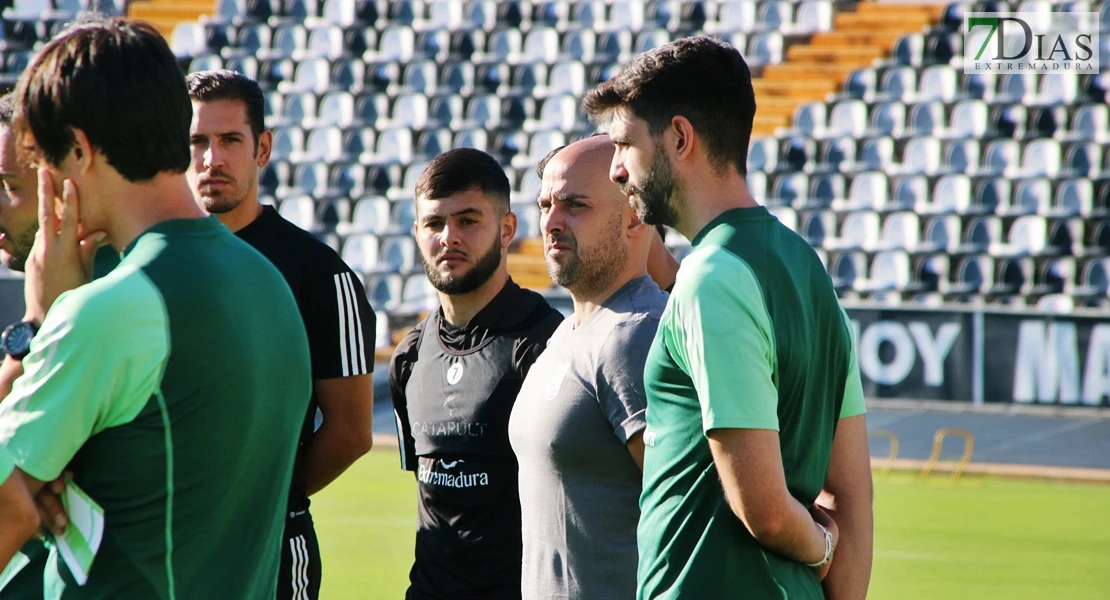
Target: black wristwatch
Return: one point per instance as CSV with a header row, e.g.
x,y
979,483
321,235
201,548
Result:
x,y
16,339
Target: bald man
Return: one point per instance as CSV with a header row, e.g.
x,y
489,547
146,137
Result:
x,y
577,426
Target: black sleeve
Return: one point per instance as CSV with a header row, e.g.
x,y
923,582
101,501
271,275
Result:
x,y
400,367
534,341
341,325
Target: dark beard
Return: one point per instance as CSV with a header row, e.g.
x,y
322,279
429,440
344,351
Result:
x,y
651,199
469,281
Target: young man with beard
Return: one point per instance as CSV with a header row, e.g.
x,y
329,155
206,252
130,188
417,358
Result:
x,y
755,406
454,379
188,390
577,427
229,145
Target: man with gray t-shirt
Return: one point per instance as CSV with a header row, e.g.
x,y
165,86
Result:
x,y
577,426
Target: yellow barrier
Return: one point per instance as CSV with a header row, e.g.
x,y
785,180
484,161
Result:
x,y
938,444
890,435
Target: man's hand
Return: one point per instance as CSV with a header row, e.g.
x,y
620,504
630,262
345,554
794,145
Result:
x,y
62,255
823,518
49,503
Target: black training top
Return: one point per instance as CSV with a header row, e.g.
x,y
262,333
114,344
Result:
x,y
453,390
338,318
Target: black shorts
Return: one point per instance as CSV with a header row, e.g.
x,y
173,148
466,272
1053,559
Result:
x,y
299,576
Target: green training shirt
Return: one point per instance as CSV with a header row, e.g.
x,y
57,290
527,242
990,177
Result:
x,y
175,397
753,338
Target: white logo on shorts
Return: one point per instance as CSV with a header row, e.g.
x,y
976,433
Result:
x,y
454,374
556,380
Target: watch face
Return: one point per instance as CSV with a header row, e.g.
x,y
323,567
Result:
x,y
17,339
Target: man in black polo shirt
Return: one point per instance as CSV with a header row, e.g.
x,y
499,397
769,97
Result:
x,y
229,145
454,379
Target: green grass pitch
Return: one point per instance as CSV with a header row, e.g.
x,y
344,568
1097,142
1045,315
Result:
x,y
975,539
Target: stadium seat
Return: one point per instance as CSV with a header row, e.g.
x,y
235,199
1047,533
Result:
x,y
970,119
922,155
626,15
860,231
951,194
814,16
890,272
347,180
650,39
763,154
846,268
541,45
888,119
861,85
898,83
939,83
962,156
975,275
1091,122
1074,198
1095,279
839,154
798,154
337,109
397,254
776,15
1056,303
810,118
418,295
819,227
848,118
360,252
912,193
300,211
370,214
1084,159
1029,196
402,216
901,231
394,145
825,188
590,15
869,191
1041,158
909,50
1002,158
877,154
324,144
942,234
790,189
928,118
765,49
384,290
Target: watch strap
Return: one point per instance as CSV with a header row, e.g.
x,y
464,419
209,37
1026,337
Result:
x,y
828,548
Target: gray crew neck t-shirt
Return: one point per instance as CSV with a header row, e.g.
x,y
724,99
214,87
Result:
x,y
579,485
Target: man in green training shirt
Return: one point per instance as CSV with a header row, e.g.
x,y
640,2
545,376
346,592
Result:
x,y
755,406
169,392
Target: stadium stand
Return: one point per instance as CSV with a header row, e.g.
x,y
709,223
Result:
x,y
917,184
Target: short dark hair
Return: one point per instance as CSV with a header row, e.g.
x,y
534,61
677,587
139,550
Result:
x,y
461,170
7,109
699,78
210,86
118,82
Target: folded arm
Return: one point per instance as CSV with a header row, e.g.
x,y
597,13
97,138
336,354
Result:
x,y
848,496
749,464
